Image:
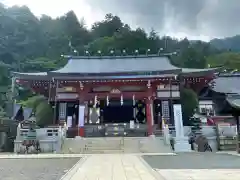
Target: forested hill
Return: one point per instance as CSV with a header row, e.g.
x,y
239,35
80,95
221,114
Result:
x,y
229,43
29,44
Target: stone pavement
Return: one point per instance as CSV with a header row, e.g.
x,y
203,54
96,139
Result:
x,y
111,167
133,167
185,166
35,169
200,174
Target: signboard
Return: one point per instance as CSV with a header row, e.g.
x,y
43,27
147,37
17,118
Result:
x,y
115,91
67,96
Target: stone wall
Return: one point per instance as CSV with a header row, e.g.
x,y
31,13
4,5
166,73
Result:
x,y
50,139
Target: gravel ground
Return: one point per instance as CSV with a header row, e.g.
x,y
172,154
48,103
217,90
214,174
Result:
x,y
35,169
194,161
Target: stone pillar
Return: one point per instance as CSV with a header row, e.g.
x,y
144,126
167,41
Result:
x,y
181,142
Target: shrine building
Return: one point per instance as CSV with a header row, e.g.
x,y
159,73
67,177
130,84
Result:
x,y
92,91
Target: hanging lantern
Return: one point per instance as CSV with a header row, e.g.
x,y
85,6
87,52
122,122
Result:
x,y
121,101
107,100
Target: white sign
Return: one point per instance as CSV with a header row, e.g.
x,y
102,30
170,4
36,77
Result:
x,y
81,116
69,121
132,124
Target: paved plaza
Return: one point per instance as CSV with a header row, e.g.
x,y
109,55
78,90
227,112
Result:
x,y
196,166
194,161
35,169
183,166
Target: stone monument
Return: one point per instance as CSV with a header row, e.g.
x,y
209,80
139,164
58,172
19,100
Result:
x,y
181,141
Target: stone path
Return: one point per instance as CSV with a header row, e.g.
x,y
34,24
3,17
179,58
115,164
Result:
x,y
133,167
111,167
123,166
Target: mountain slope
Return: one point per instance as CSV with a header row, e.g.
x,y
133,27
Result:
x,y
229,43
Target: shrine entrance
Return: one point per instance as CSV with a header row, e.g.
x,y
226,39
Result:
x,y
73,112
115,112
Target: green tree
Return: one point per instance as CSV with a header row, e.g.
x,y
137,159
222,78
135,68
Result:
x,y
189,101
228,60
43,110
192,58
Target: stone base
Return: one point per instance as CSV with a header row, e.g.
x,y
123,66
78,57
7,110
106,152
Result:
x,y
182,145
78,137
152,136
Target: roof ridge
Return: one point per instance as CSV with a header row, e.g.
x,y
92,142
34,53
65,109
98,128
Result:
x,y
226,75
117,57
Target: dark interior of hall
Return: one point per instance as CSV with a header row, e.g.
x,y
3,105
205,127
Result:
x,y
72,110
114,112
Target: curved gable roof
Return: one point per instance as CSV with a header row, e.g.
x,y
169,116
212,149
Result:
x,y
111,66
121,64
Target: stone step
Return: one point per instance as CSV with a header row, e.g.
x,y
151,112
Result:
x,y
106,145
103,152
103,147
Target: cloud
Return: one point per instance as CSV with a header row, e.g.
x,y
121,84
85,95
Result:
x,y
213,18
191,18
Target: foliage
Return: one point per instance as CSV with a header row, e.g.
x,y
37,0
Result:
x,y
31,44
228,43
228,60
189,100
43,111
3,115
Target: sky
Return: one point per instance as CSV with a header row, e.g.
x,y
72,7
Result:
x,y
195,19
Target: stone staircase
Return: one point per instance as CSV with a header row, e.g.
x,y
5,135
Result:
x,y
109,145
104,145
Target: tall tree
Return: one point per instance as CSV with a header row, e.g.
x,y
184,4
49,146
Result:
x,y
189,102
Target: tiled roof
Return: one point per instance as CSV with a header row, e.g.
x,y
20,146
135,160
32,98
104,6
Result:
x,y
121,64
228,84
117,66
234,101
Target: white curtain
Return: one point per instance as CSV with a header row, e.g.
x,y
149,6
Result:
x,y
69,121
81,116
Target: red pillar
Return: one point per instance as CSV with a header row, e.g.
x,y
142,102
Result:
x,y
149,116
81,131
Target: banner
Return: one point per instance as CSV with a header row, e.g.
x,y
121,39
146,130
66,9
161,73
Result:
x,y
69,121
81,115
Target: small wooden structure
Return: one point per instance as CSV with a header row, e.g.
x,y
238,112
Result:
x,y
226,140
234,101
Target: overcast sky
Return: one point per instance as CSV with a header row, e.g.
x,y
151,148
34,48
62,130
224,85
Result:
x,y
196,19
